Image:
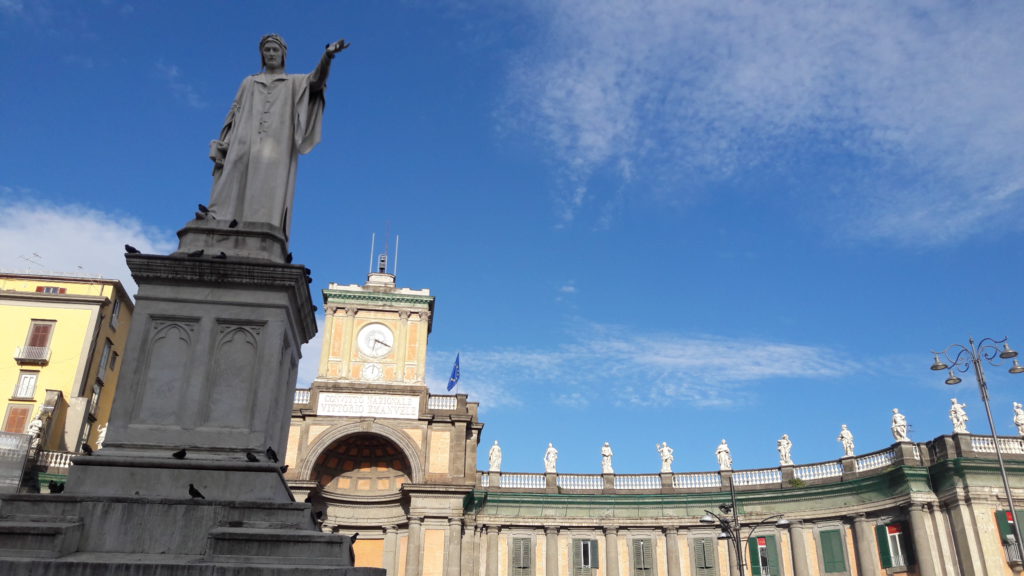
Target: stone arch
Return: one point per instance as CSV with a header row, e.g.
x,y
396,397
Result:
x,y
330,437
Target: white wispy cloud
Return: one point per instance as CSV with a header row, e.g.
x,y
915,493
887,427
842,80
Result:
x,y
181,89
616,365
42,237
924,95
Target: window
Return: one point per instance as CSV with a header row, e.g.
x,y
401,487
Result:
x,y
105,359
113,360
115,313
94,402
894,545
39,333
704,555
26,387
643,557
764,556
51,290
584,557
1004,520
17,417
832,554
521,557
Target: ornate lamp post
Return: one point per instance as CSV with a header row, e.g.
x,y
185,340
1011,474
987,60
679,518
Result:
x,y
732,528
961,358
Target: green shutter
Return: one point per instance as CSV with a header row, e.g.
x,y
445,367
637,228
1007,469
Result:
x,y
755,558
704,554
773,556
577,557
594,555
832,551
643,557
522,557
1005,527
882,535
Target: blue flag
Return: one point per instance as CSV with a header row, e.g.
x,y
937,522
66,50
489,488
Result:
x,y
455,374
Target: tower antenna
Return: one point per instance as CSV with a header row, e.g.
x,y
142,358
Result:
x,y
394,269
373,239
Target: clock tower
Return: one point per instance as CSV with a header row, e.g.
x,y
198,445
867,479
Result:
x,y
375,334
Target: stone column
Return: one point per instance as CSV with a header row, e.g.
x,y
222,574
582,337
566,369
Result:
x,y
349,326
325,350
611,544
919,527
551,551
453,563
470,548
868,563
672,551
734,562
402,339
391,550
492,551
798,543
414,555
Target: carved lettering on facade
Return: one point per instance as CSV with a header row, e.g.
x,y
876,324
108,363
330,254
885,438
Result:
x,y
375,405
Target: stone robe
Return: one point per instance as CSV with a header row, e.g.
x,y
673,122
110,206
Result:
x,y
273,119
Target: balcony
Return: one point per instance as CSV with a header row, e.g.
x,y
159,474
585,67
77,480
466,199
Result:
x,y
32,355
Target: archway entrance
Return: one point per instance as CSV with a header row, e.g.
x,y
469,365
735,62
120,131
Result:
x,y
362,463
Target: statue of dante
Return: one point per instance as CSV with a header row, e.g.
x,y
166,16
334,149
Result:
x,y
274,118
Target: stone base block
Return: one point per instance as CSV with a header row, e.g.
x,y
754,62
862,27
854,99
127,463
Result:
x,y
255,545
169,478
246,240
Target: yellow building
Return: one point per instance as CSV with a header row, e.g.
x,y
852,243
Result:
x,y
63,338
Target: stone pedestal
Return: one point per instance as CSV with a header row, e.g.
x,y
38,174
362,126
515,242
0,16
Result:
x,y
206,388
210,369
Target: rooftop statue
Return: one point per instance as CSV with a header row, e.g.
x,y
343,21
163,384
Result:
x,y
846,438
274,118
724,456
1018,417
550,459
899,426
494,457
785,447
958,416
667,456
606,459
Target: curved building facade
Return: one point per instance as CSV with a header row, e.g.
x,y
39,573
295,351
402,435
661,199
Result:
x,y
381,456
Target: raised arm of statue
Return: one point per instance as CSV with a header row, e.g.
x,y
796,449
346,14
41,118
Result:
x,y
318,78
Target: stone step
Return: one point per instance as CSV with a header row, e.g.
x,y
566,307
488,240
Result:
x,y
251,544
39,536
96,564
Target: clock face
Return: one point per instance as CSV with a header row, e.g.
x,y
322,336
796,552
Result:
x,y
372,371
376,340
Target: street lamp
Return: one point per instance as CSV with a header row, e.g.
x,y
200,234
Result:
x,y
732,528
961,358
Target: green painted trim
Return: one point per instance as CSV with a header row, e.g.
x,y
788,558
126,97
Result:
x,y
337,296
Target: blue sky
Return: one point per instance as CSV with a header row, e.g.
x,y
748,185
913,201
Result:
x,y
643,221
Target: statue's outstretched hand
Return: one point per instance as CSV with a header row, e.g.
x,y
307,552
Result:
x,y
337,46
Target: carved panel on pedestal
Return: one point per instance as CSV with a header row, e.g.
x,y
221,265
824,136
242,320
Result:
x,y
235,362
165,376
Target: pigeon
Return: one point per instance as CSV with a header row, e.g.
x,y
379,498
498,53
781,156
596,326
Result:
x,y
221,256
309,498
307,271
284,469
204,209
87,449
288,258
233,224
251,457
129,249
180,454
56,487
196,254
271,454
195,493
319,515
